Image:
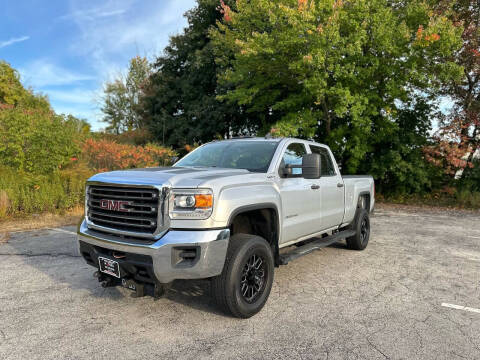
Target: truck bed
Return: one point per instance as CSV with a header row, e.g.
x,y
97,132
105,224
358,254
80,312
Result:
x,y
356,186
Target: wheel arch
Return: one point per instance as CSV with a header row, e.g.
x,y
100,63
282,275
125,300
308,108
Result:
x,y
255,215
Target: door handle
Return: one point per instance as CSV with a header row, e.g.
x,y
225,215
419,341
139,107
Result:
x,y
340,185
315,187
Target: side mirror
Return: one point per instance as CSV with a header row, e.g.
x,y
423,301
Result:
x,y
311,165
174,159
286,171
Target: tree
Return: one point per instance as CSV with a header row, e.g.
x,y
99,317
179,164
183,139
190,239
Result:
x,y
122,97
335,71
398,163
458,137
32,137
180,106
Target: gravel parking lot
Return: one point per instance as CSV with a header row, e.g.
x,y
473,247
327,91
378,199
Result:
x,y
384,302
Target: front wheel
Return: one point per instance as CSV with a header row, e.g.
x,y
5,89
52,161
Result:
x,y
361,225
244,285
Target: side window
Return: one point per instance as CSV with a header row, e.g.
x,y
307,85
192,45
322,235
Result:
x,y
327,164
293,156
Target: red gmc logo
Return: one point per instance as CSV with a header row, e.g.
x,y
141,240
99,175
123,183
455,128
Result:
x,y
114,205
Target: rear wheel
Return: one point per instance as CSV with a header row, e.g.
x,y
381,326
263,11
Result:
x,y
361,225
244,285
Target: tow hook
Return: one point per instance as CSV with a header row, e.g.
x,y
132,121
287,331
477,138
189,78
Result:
x,y
139,289
105,281
135,286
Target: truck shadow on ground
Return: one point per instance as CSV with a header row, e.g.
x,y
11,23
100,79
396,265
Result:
x,y
56,255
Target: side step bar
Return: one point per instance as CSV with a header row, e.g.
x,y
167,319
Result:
x,y
314,245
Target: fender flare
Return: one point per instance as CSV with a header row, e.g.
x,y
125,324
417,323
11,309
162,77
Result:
x,y
262,206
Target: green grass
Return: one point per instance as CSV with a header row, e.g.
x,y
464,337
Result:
x,y
22,193
458,198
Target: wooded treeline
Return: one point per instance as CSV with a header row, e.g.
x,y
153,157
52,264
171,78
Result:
x,y
368,78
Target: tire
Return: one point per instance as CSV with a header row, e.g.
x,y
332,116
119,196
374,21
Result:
x,y
361,226
248,268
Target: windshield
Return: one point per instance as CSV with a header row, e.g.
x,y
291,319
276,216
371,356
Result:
x,y
254,156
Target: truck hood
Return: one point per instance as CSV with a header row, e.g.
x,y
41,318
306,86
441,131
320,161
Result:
x,y
179,177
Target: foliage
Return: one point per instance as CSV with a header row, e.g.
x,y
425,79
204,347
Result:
x,y
446,197
104,155
32,137
458,137
397,162
470,182
122,96
135,137
13,94
180,106
335,71
25,193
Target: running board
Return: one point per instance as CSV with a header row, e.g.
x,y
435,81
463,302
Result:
x,y
314,245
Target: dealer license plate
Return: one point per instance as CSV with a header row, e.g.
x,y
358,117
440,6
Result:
x,y
109,266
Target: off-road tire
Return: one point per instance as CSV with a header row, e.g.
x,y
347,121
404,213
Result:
x,y
361,226
227,287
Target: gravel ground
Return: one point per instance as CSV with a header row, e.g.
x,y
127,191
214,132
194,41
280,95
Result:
x,y
384,302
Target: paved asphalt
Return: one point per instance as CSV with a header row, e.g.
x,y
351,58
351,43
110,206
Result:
x,y
382,303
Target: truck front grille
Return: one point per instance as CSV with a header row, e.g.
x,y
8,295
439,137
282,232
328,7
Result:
x,y
127,209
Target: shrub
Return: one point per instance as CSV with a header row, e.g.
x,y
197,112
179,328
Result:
x,y
4,203
25,193
35,141
103,155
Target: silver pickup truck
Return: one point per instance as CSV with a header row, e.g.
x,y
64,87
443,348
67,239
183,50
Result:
x,y
230,211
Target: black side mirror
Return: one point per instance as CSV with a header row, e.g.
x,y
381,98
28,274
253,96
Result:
x,y
311,165
286,171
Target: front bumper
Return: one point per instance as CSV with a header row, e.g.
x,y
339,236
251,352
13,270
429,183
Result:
x,y
209,246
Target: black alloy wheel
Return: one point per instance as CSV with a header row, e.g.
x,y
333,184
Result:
x,y
243,287
252,281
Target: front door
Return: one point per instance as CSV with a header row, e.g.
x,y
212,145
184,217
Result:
x,y
300,198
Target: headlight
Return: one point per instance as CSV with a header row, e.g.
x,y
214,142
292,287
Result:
x,y
191,204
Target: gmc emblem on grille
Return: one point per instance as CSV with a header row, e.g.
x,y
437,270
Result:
x,y
114,205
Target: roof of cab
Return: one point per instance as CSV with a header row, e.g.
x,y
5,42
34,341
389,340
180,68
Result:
x,y
253,138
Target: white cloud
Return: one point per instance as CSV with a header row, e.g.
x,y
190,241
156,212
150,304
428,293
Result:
x,y
91,14
107,36
41,73
72,96
13,41
111,41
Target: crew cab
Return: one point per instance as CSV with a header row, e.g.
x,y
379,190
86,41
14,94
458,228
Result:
x,y
230,211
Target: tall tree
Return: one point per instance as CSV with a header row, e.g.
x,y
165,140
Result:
x,y
180,106
336,71
458,137
122,97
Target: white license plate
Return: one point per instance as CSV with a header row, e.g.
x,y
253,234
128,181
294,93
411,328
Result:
x,y
109,266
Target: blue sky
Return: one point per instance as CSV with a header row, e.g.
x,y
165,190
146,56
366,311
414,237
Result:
x,y
68,49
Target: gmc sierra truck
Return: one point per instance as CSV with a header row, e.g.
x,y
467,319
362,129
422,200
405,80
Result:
x,y
229,211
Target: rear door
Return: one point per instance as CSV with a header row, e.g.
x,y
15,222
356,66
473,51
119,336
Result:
x,y
300,197
331,189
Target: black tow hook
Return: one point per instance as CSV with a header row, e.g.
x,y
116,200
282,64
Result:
x,y
105,281
108,283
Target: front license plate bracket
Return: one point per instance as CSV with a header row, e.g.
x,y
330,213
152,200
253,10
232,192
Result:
x,y
109,266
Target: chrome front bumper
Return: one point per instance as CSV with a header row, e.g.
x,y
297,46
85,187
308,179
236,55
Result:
x,y
213,246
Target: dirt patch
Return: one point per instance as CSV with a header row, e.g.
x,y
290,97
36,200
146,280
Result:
x,y
422,207
40,221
